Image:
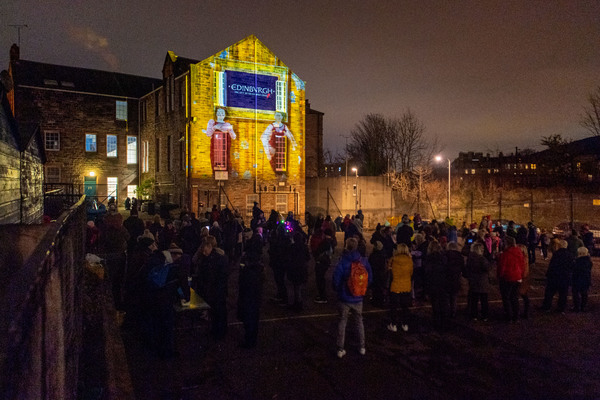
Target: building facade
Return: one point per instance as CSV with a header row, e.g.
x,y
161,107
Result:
x,y
21,166
228,131
88,121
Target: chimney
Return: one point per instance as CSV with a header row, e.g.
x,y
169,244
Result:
x,y
15,53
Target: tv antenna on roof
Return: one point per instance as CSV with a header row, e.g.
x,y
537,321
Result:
x,y
19,32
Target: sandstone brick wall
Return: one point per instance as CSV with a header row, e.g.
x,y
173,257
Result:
x,y
73,115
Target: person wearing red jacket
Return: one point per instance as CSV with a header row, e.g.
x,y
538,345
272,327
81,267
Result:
x,y
511,267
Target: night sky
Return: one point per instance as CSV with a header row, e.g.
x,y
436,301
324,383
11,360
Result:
x,y
482,75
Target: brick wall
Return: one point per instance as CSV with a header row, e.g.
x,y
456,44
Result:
x,y
73,115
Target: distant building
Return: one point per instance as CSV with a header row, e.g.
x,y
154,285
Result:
x,y
314,143
576,163
21,165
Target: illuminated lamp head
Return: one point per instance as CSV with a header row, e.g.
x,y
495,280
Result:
x,y
220,114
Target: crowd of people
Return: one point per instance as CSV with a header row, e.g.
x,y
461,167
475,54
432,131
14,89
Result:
x,y
155,264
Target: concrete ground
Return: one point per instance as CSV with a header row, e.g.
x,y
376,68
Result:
x,y
548,356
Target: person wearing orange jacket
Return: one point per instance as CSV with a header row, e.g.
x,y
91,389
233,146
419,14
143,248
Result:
x,y
511,268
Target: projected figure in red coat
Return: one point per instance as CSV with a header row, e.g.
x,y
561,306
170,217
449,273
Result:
x,y
275,143
220,133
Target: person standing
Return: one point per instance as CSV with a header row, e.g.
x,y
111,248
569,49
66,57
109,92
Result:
x,y
211,284
435,266
348,303
250,289
456,265
582,279
532,242
322,255
511,266
524,286
558,277
401,266
477,273
299,256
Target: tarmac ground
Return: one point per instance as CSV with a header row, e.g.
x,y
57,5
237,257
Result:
x,y
547,356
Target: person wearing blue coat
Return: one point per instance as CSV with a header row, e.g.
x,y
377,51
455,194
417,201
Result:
x,y
349,303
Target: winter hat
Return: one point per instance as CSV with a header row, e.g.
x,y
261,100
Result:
x,y
174,249
146,234
378,245
168,258
145,242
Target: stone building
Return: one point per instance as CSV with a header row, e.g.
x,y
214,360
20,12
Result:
x,y
228,131
88,120
315,165
21,165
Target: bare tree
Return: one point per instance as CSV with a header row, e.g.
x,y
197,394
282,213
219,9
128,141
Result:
x,y
591,115
369,144
380,144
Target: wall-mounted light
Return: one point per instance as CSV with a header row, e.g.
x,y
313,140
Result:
x,y
92,173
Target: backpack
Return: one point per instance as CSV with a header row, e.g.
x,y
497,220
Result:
x,y
157,277
358,281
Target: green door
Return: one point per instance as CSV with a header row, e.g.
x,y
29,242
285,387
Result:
x,y
89,184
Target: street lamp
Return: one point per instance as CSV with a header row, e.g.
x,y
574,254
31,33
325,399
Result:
x,y
355,170
439,159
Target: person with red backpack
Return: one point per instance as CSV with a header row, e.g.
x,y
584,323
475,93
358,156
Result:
x,y
350,280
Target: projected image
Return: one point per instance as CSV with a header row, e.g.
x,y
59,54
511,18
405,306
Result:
x,y
275,143
220,133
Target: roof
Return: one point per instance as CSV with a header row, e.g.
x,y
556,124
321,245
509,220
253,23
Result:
x,y
587,146
73,79
181,65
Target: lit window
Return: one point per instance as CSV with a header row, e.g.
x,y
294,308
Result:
x,y
90,142
339,169
250,199
489,171
473,171
281,203
52,140
533,166
466,172
111,187
131,190
121,110
131,150
145,156
220,85
111,145
281,99
51,82
52,174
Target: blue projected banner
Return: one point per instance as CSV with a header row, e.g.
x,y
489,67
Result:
x,y
246,90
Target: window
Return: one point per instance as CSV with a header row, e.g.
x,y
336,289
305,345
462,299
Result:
x,y
250,199
281,99
280,153
172,94
131,150
121,110
90,142
144,109
156,105
52,140
52,174
111,187
145,153
169,151
281,203
157,154
131,190
182,153
182,93
111,145
219,88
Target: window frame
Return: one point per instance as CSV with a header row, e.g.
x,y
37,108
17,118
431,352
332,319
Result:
x,y
95,149
120,108
110,185
56,142
48,177
116,146
132,158
278,203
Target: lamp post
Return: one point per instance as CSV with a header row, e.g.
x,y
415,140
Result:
x,y
439,159
355,170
